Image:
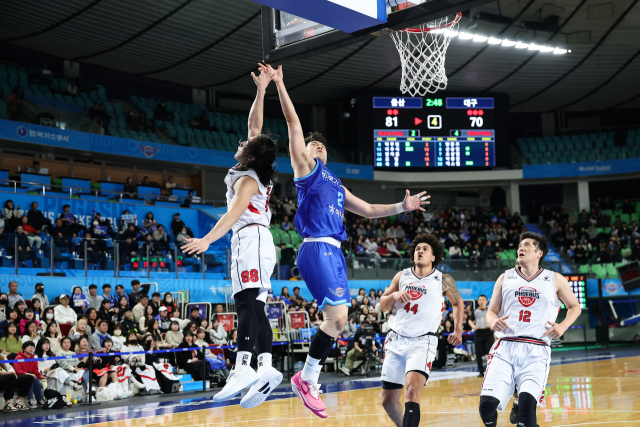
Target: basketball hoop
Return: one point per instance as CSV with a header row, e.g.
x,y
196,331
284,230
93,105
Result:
x,y
422,53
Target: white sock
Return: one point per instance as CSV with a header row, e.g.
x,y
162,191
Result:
x,y
264,362
515,400
243,360
311,371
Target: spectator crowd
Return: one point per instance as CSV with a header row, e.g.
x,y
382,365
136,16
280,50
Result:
x,y
109,321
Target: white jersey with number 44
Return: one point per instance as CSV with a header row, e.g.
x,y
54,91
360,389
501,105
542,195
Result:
x,y
530,304
423,313
258,210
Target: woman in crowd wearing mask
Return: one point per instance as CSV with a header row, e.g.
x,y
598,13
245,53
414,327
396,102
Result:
x,y
117,338
174,336
29,316
314,319
57,378
40,295
4,306
11,342
168,302
53,335
31,332
217,333
80,301
47,316
12,317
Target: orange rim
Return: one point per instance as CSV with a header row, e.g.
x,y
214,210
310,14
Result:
x,y
441,27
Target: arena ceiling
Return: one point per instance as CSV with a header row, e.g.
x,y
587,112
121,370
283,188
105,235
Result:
x,y
216,43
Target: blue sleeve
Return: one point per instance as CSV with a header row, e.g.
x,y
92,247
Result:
x,y
303,183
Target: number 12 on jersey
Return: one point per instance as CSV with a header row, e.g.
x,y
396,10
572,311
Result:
x,y
525,316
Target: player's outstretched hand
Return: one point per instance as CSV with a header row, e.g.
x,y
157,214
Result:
x,y
412,203
275,75
500,324
555,331
455,338
194,246
262,79
402,296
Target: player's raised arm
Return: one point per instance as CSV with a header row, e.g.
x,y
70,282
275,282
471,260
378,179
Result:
x,y
301,161
570,301
450,290
367,210
393,294
244,187
493,318
256,113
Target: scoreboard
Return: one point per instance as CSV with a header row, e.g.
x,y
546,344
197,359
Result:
x,y
434,132
579,287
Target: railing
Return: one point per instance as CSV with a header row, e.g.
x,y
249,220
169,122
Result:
x,y
92,194
50,254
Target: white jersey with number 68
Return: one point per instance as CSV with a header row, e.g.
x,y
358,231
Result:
x,y
530,304
423,313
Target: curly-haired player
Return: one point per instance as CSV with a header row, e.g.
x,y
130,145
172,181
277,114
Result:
x,y
416,296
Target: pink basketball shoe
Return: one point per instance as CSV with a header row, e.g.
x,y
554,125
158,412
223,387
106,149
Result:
x,y
309,394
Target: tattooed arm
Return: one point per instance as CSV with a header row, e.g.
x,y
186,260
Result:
x,y
450,290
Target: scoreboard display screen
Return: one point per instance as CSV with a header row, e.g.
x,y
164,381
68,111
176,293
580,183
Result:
x,y
579,287
434,132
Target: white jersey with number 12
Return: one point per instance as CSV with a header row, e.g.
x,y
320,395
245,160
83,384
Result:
x,y
530,304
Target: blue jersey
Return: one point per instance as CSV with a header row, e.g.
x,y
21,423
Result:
x,y
320,204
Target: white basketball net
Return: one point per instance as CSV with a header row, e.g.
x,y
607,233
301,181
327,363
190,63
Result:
x,y
422,53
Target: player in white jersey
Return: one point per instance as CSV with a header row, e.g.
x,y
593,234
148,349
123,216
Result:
x,y
253,256
523,311
416,296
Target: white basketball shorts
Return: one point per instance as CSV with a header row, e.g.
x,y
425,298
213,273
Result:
x,y
253,257
517,363
403,354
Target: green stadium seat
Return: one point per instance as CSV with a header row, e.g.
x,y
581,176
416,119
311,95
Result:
x,y
584,269
599,271
611,270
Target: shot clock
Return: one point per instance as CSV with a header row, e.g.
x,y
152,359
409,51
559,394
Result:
x,y
433,132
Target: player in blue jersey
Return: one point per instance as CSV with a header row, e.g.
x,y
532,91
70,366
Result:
x,y
322,200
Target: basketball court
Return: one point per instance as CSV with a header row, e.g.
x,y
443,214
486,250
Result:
x,y
596,388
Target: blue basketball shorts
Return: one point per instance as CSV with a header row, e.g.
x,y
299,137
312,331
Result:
x,y
324,270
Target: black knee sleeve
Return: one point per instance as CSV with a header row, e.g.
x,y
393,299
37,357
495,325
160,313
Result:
x,y
245,308
411,415
320,346
527,410
265,334
488,410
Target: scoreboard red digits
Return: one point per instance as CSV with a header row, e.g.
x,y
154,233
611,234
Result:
x,y
417,132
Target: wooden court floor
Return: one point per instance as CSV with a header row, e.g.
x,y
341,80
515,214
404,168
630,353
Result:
x,y
595,393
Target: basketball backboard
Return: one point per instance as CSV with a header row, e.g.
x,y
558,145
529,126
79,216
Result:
x,y
286,37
